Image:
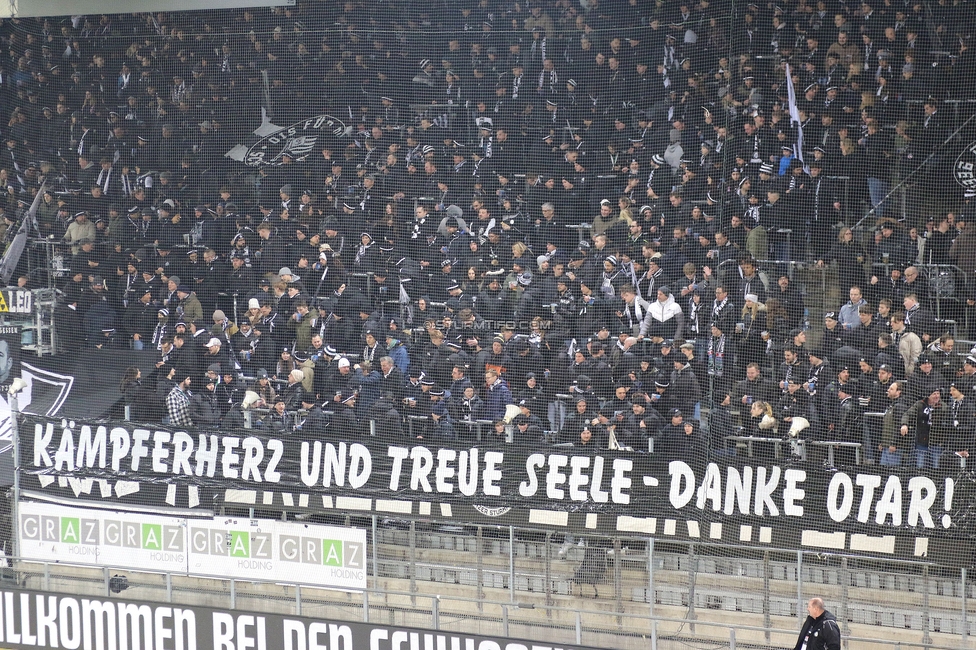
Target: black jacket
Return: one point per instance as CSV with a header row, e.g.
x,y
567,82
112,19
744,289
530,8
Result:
x,y
821,633
204,409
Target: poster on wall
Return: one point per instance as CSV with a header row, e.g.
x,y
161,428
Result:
x,y
247,549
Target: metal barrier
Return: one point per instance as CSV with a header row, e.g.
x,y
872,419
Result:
x,y
523,583
749,443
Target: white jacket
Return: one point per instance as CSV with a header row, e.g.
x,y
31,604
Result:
x,y
663,311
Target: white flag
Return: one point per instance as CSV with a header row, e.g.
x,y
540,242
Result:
x,y
795,117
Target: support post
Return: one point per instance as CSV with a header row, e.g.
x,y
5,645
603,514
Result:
x,y
15,506
926,606
233,594
800,609
480,570
376,561
965,610
617,580
650,574
298,600
692,583
548,560
845,581
413,562
511,562
505,620
365,607
435,612
731,638
767,619
579,629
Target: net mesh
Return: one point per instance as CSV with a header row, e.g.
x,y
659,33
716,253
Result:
x,y
570,196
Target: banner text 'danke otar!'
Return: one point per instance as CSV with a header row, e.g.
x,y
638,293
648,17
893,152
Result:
x,y
609,490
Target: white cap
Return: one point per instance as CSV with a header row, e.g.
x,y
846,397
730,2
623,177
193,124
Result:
x,y
212,342
250,398
253,304
343,362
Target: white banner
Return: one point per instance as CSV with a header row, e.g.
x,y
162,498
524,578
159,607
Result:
x,y
244,549
264,549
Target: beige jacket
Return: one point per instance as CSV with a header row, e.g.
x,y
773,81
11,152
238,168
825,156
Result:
x,y
909,347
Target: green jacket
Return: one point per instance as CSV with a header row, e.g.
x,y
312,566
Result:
x,y
303,331
891,425
192,309
941,425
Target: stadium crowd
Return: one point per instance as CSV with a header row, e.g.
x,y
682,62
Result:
x,y
573,221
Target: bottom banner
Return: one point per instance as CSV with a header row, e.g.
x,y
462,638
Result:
x,y
40,620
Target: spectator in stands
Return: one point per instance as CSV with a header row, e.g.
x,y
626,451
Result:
x,y
178,402
849,314
666,317
894,436
204,407
759,421
139,398
294,393
131,171
498,396
908,344
683,439
918,319
928,423
235,418
850,257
